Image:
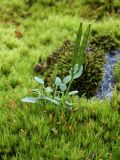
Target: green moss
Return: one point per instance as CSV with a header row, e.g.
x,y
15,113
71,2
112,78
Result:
x,y
117,71
106,42
14,82
117,78
5,69
50,132
96,9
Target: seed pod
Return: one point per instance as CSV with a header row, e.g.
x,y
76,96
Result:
x,y
37,68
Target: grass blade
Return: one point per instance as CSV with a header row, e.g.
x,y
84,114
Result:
x,y
83,46
77,45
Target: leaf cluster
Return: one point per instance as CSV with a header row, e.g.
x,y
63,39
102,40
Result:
x,y
61,92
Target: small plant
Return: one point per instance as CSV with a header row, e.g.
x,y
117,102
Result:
x,y
61,92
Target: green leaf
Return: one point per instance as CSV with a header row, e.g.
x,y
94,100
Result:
x,y
29,100
77,75
63,87
57,98
75,70
72,93
83,46
52,100
58,81
68,103
37,91
67,79
48,89
71,72
55,101
39,80
77,45
42,97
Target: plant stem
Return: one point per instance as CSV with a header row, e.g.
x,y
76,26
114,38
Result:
x,y
68,87
55,92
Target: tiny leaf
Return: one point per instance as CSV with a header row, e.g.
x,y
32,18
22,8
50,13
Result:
x,y
77,75
55,101
68,103
29,100
75,70
48,89
37,91
58,81
72,93
63,87
57,98
39,80
51,100
67,79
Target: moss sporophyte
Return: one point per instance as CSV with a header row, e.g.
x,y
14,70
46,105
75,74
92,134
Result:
x,y
60,93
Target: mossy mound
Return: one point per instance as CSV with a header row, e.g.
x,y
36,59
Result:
x,y
106,42
59,63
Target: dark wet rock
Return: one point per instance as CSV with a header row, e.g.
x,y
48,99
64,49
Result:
x,y
107,84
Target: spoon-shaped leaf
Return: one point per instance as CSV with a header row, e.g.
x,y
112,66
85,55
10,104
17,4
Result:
x,y
67,79
63,87
48,89
39,80
75,70
29,100
77,75
52,100
72,93
58,81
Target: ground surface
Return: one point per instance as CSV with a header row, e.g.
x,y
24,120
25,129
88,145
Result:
x,y
28,31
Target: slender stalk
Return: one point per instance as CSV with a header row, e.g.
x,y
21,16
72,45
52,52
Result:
x,y
63,98
68,87
55,92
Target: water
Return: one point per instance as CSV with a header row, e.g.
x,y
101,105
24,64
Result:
x,y
107,84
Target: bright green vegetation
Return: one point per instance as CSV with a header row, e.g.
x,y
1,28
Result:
x,y
89,130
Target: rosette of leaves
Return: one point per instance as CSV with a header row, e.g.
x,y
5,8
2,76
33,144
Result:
x,y
60,94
